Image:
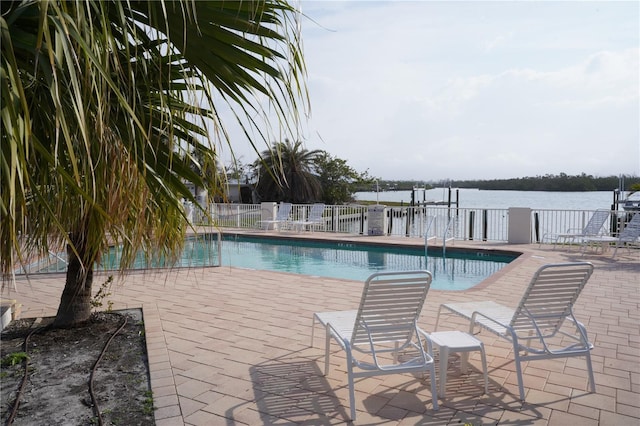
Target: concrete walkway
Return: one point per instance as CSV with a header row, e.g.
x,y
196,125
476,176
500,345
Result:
x,y
230,346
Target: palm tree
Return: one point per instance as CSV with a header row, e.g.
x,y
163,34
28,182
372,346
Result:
x,y
104,106
286,173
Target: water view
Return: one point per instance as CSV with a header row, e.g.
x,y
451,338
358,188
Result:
x,y
491,199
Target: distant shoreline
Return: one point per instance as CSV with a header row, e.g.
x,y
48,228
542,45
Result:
x,y
495,199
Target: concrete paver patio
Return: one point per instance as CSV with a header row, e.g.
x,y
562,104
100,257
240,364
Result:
x,y
231,346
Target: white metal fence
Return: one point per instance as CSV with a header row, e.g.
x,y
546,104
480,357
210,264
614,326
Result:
x,y
546,224
441,222
448,223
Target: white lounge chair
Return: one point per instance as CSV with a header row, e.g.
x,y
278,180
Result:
x,y
314,219
543,325
282,217
592,228
628,236
382,336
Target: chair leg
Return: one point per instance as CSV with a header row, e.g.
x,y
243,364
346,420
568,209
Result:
x,y
434,392
437,319
444,356
352,393
519,373
484,368
592,381
615,250
327,344
313,327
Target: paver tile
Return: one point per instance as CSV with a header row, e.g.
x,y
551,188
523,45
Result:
x,y
231,346
189,406
167,411
608,418
560,418
171,421
584,411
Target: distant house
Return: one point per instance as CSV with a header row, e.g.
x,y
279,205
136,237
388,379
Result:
x,y
243,193
235,192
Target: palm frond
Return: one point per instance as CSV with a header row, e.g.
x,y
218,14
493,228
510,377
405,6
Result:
x,y
103,102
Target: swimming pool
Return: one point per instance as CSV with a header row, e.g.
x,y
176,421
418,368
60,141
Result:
x,y
459,270
356,261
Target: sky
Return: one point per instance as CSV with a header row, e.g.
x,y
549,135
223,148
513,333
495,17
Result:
x,y
426,90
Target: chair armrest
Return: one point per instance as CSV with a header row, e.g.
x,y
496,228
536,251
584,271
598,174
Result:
x,y
341,340
581,328
573,230
426,337
488,318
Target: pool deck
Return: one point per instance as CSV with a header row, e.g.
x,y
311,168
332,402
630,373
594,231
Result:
x,y
231,346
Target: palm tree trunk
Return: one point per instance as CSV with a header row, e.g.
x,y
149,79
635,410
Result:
x,y
75,303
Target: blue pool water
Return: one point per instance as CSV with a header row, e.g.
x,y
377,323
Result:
x,y
459,270
354,261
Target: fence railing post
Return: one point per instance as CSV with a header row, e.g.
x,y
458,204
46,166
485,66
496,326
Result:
x,y
408,222
472,216
485,213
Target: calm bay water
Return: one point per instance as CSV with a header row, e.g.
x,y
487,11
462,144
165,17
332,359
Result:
x,y
474,198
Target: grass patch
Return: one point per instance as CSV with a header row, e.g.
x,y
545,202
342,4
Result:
x,y
147,404
14,359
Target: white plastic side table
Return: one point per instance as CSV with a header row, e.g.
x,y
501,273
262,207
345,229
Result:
x,y
457,341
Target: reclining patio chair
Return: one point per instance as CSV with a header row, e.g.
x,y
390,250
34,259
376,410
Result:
x,y
282,217
628,236
314,219
592,229
382,336
543,325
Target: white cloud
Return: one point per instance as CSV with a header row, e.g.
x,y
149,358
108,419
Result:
x,y
432,90
498,41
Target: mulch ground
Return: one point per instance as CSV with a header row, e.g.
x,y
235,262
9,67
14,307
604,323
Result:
x,y
60,362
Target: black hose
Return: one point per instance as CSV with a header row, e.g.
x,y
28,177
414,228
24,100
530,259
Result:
x,y
25,376
94,401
